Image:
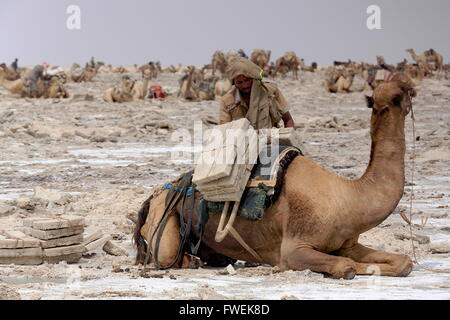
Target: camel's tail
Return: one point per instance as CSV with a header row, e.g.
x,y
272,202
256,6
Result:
x,y
138,239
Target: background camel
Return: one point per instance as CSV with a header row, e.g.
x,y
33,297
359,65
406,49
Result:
x,y
435,58
90,72
52,87
152,69
317,219
121,92
140,88
339,80
425,58
260,57
194,87
117,94
289,61
221,87
304,67
55,88
219,62
16,87
10,74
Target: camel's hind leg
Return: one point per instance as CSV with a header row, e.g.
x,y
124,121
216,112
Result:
x,y
370,261
301,257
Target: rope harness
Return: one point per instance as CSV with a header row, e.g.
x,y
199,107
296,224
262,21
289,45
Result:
x,y
173,198
412,195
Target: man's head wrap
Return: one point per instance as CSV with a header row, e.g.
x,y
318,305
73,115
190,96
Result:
x,y
242,66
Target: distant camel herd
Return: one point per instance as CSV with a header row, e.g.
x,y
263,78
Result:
x,y
210,81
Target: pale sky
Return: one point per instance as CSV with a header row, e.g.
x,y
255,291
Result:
x,y
189,31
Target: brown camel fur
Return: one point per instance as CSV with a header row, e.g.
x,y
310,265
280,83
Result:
x,y
152,69
289,61
310,68
10,74
51,88
16,87
54,89
219,62
339,81
90,72
116,94
140,88
194,86
424,60
317,220
86,74
121,92
186,85
222,87
260,57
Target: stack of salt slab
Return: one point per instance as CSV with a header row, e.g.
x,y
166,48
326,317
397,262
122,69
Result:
x,y
48,240
224,166
60,238
281,136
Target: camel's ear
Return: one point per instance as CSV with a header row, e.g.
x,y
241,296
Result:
x,y
369,101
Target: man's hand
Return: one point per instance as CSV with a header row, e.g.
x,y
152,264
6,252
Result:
x,y
288,121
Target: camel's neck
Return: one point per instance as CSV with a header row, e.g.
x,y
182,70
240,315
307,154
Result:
x,y
381,186
350,80
145,87
189,82
7,84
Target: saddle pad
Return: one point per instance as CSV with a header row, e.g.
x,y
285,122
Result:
x,y
269,160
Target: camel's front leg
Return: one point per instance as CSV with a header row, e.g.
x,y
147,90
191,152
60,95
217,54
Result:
x,y
389,264
301,257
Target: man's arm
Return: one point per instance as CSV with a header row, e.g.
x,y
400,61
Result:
x,y
224,115
287,119
283,108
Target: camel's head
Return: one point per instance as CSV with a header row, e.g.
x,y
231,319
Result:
x,y
380,59
147,74
395,93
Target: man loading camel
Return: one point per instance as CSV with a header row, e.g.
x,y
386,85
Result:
x,y
262,103
38,72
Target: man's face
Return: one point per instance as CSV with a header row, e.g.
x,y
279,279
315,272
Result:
x,y
243,83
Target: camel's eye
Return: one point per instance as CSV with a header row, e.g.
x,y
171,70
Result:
x,y
369,101
397,100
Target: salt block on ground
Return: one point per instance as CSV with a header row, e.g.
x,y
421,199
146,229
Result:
x,y
60,251
17,240
27,252
53,234
22,260
54,223
60,242
70,258
99,243
113,249
92,237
